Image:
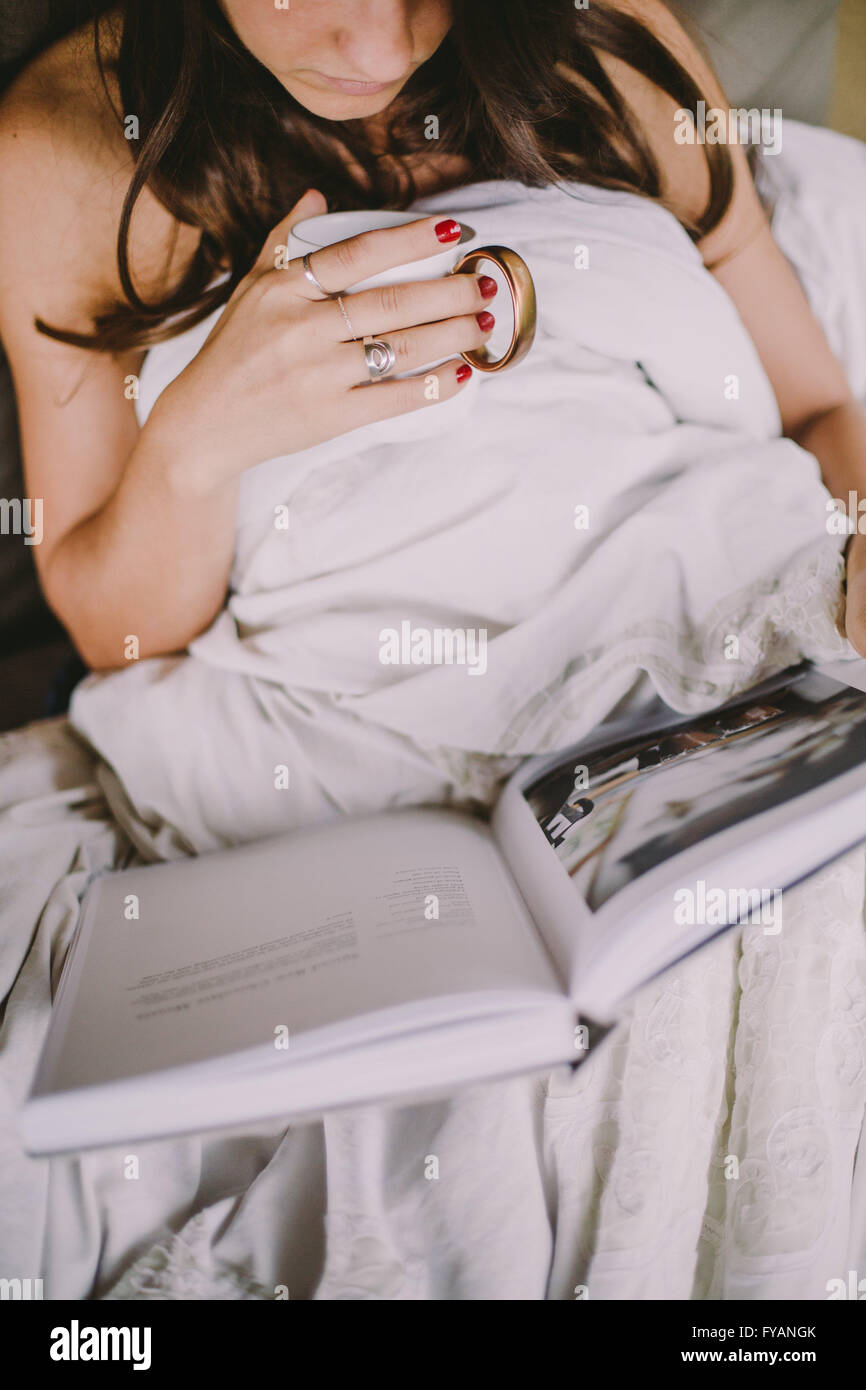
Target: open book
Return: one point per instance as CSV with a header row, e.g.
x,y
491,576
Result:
x,y
407,953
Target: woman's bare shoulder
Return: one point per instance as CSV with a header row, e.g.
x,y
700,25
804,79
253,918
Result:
x,y
65,168
682,166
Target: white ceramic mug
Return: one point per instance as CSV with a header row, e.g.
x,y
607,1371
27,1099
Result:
x,y
514,306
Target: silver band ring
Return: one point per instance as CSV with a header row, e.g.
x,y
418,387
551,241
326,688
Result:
x,y
348,320
308,271
379,356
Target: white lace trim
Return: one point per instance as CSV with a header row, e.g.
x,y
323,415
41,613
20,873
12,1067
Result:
x,y
181,1266
777,624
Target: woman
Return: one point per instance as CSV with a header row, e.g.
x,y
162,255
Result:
x,y
167,156
238,111
139,525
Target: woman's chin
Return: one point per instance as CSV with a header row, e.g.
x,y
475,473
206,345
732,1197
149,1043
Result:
x,y
342,106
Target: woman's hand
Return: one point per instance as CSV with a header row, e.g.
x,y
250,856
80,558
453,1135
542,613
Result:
x,y
280,372
855,605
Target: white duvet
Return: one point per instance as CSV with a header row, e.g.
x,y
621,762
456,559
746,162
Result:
x,y
616,1182
705,561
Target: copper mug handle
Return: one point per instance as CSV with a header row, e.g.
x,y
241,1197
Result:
x,y
522,291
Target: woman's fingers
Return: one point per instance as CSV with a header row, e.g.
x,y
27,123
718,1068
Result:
x,y
384,399
406,305
315,351
413,347
855,607
343,264
312,204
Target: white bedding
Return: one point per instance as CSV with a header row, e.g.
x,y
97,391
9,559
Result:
x,y
643,399
613,1181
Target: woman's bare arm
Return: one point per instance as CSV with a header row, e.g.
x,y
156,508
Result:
x,y
139,527
125,551
817,407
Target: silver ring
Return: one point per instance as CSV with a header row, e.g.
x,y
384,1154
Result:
x,y
348,320
379,356
308,271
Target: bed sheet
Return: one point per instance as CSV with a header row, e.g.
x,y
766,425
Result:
x,y
708,1150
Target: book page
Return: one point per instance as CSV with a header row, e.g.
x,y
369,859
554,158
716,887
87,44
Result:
x,y
663,838
409,916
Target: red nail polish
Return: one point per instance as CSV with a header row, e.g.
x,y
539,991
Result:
x,y
487,285
485,320
449,230
464,371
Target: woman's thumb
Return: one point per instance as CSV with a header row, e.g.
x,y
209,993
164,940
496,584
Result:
x,y
310,204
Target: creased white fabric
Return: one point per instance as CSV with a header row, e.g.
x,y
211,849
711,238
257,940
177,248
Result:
x,y
614,1182
706,561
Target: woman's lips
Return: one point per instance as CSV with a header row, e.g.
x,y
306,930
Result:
x,y
359,89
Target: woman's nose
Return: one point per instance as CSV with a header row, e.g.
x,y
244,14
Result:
x,y
377,40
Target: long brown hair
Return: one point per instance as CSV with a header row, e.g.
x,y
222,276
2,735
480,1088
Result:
x,y
227,149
